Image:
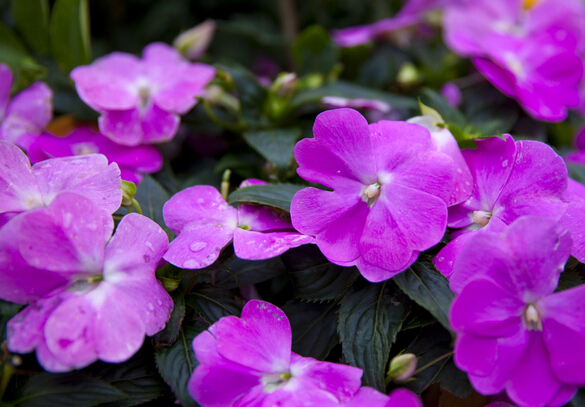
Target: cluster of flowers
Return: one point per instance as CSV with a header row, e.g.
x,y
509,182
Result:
x,y
394,188
530,50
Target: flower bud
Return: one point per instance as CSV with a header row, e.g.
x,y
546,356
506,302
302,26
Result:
x,y
408,74
284,85
402,367
128,192
194,42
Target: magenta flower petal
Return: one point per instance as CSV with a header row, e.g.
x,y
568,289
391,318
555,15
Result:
x,y
403,398
5,85
476,354
123,126
261,218
366,396
19,190
88,175
479,309
376,274
159,125
238,338
252,245
574,217
564,395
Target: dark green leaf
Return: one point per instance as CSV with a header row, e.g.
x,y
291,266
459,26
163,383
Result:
x,y
314,52
579,399
428,288
417,317
569,279
276,145
369,320
314,328
449,113
250,93
275,195
433,347
167,336
7,311
152,196
32,20
14,54
213,303
236,272
314,277
350,91
137,378
177,362
66,389
69,33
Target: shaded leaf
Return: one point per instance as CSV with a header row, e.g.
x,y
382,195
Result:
x,y
32,20
275,195
314,328
152,196
70,34
314,277
276,145
428,288
66,389
236,272
369,320
250,93
177,362
314,52
167,336
7,311
569,279
449,113
213,303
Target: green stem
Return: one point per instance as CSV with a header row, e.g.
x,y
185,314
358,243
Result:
x,y
432,362
136,206
6,376
236,127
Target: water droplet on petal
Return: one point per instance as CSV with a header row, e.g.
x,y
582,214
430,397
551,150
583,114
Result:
x,y
149,245
150,306
197,246
191,264
505,163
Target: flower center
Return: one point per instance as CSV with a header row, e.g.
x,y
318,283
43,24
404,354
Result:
x,y
144,95
531,318
528,4
370,193
274,381
482,218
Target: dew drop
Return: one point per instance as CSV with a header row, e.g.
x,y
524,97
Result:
x,y
150,306
191,264
67,217
505,163
197,246
149,245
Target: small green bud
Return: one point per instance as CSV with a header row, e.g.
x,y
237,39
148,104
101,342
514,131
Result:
x,y
128,192
408,74
194,42
402,367
285,85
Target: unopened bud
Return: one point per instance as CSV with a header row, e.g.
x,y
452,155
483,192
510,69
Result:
x,y
284,85
402,367
128,192
408,74
194,42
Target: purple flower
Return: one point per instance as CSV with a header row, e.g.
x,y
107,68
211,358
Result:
x,y
336,101
88,299
133,161
510,179
23,187
366,396
28,112
205,223
452,93
390,192
247,361
513,332
531,53
140,100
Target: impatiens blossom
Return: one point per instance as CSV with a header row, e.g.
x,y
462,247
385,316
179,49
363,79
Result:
x,y
247,361
29,111
390,189
510,179
531,51
133,161
369,397
140,100
88,299
514,333
23,187
204,223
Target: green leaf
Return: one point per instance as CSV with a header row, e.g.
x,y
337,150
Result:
x,y
314,328
449,113
167,336
579,399
177,362
213,303
70,34
14,54
433,348
314,52
569,279
428,288
7,311
369,320
137,378
32,20
350,91
236,272
152,196
66,389
275,195
277,145
315,278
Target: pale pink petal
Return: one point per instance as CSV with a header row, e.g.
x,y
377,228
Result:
x,y
158,125
122,126
199,245
28,112
261,218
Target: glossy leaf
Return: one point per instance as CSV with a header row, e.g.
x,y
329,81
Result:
x,y
314,51
152,196
169,334
70,34
275,195
236,272
277,145
369,320
32,21
213,303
